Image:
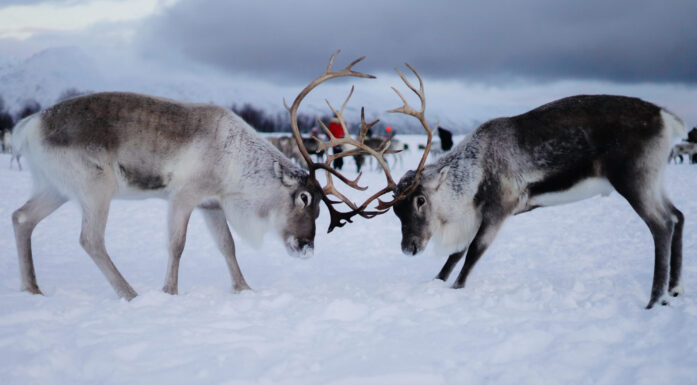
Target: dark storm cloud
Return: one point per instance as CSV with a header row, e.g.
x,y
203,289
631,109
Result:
x,y
626,41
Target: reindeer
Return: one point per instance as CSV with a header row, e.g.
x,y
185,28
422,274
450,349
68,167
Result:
x,y
313,148
680,149
95,148
287,146
395,148
7,147
564,151
98,147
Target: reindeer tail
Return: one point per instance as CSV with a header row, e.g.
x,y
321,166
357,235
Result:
x,y
672,122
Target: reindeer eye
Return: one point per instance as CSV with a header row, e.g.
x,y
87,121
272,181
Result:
x,y
305,198
420,201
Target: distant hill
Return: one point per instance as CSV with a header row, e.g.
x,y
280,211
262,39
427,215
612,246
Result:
x,y
47,75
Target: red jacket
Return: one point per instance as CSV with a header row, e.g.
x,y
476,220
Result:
x,y
336,129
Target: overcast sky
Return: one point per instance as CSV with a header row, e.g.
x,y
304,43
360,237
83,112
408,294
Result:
x,y
625,42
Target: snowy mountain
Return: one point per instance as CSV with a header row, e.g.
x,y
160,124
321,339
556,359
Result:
x,y
49,73
45,75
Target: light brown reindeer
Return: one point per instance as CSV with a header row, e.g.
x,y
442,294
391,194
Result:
x,y
104,146
99,147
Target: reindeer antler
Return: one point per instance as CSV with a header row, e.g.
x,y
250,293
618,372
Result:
x,y
338,218
420,115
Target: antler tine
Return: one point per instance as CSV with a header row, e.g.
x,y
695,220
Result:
x,y
327,167
340,115
331,62
353,63
326,132
348,67
330,189
343,106
365,126
405,108
337,218
420,115
420,92
426,151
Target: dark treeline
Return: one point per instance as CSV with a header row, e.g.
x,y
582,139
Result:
x,y
7,120
263,121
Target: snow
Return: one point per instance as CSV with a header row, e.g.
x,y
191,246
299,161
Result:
x,y
558,298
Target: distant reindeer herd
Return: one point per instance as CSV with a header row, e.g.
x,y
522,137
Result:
x,y
95,148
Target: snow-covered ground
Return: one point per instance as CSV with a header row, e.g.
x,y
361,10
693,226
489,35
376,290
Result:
x,y
559,298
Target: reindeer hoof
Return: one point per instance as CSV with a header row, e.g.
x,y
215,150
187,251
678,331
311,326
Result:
x,y
663,300
170,290
242,287
32,290
128,294
677,291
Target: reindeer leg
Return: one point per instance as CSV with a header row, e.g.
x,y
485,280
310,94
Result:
x,y
675,287
218,227
485,235
661,228
657,216
95,210
24,221
180,208
453,259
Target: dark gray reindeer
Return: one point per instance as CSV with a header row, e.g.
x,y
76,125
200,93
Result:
x,y
564,151
99,147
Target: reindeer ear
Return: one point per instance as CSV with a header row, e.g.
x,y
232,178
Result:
x,y
442,175
277,170
438,179
286,179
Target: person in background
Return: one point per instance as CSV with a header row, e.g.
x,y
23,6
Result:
x,y
338,132
316,132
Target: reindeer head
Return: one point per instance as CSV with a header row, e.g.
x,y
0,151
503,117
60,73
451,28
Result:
x,y
425,213
414,211
297,224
